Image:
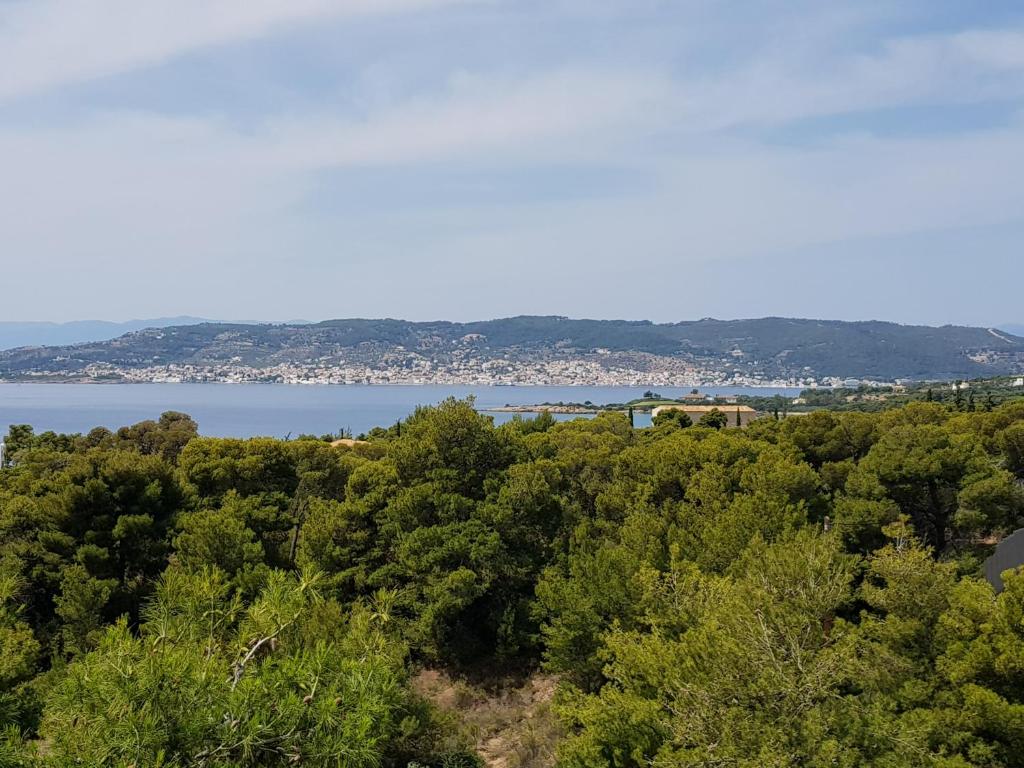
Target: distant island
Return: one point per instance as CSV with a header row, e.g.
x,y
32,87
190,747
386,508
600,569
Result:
x,y
532,350
22,334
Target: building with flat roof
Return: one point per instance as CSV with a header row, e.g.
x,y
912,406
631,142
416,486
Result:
x,y
737,415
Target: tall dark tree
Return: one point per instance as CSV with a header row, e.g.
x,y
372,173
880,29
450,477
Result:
x,y
714,419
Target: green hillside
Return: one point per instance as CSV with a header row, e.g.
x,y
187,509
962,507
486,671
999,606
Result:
x,y
770,347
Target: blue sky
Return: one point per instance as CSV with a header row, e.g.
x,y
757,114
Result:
x,y
466,159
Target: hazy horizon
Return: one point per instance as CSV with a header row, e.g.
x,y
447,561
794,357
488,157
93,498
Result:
x,y
193,320
486,158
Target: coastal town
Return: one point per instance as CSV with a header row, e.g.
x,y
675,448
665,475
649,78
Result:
x,y
547,351
657,371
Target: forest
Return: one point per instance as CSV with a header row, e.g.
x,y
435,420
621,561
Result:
x,y
802,592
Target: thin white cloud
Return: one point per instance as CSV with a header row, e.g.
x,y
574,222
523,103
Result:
x,y
141,198
1002,49
178,193
479,115
49,43
563,116
225,211
781,86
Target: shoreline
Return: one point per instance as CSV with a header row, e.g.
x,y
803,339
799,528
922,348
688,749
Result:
x,y
495,385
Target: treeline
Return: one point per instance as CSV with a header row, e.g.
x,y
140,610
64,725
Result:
x,y
803,592
966,396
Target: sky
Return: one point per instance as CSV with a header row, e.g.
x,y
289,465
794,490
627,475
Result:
x,y
471,159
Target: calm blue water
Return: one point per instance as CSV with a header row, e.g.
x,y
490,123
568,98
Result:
x,y
246,410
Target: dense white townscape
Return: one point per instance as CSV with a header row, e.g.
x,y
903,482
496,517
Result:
x,y
659,371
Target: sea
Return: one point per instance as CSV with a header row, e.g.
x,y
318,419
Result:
x,y
289,410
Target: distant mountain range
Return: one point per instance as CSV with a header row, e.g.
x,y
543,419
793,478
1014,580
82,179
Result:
x,y
29,334
518,348
45,334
